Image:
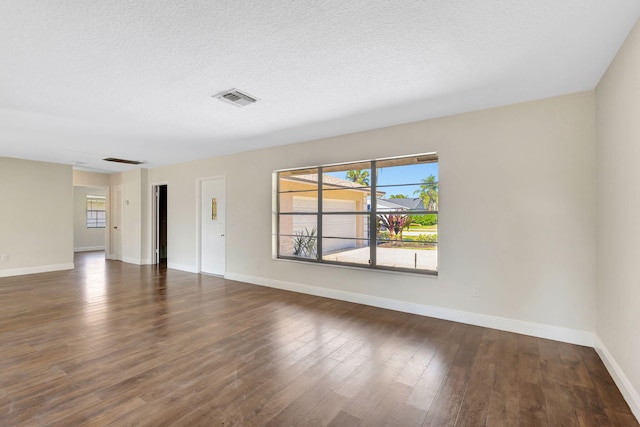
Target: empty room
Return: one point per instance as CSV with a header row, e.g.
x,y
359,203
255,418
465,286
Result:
x,y
372,213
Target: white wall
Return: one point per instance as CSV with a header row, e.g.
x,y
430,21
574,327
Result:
x,y
517,216
86,239
36,217
618,285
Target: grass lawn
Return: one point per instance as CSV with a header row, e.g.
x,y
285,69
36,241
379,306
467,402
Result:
x,y
409,245
419,227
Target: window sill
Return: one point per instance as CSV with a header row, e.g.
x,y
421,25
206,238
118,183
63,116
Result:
x,y
425,273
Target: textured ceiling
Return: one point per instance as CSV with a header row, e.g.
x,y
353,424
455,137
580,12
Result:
x,y
84,80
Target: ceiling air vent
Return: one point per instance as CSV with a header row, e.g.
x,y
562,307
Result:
x,y
129,162
237,98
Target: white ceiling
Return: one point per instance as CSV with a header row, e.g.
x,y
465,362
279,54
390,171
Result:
x,y
83,80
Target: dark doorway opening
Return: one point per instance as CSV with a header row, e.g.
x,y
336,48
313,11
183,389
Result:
x,y
162,224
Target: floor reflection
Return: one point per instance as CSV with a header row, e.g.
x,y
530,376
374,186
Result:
x,y
93,269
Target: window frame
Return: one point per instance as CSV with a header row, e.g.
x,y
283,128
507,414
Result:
x,y
371,214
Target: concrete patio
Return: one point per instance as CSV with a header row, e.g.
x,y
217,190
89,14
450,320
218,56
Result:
x,y
390,257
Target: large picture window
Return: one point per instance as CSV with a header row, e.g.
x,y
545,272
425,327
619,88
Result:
x,y
375,214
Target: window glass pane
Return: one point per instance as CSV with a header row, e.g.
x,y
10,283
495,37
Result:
x,y
354,226
345,238
407,179
298,235
346,188
401,198
305,180
412,256
351,251
299,201
405,241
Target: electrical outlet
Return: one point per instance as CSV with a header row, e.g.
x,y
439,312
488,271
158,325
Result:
x,y
475,291
4,257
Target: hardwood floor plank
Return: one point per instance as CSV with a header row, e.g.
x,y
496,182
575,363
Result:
x,y
559,401
429,383
325,412
409,416
302,405
504,401
475,404
111,343
576,370
532,405
446,406
529,360
344,419
388,406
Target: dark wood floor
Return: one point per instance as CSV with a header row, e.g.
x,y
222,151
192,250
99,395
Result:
x,y
114,343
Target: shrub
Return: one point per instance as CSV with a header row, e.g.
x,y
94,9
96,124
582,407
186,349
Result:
x,y
424,238
425,220
304,243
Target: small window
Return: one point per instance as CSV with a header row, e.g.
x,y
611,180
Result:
x,y
376,214
96,212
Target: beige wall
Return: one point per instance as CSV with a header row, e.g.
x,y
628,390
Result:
x,y
517,214
86,239
36,217
618,196
135,218
90,179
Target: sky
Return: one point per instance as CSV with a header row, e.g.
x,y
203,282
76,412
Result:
x,y
409,174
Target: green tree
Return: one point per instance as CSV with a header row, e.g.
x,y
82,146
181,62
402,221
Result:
x,y
359,176
398,196
429,193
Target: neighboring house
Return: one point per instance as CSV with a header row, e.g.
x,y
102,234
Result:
x,y
298,193
399,204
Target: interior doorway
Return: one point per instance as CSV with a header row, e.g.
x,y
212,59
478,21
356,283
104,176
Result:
x,y
160,240
89,218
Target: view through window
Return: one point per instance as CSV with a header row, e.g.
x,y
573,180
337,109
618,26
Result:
x,y
376,214
96,212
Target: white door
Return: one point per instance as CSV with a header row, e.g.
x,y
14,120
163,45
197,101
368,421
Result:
x,y
116,223
212,227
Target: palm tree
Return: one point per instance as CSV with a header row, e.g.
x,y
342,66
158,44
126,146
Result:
x,y
429,193
359,176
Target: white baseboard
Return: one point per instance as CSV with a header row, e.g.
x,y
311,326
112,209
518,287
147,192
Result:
x,y
182,267
136,261
34,270
629,392
89,248
501,323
